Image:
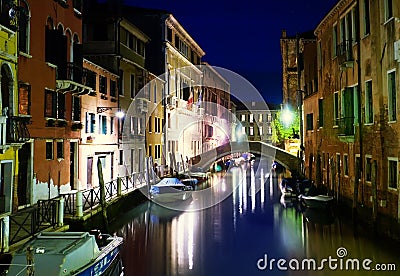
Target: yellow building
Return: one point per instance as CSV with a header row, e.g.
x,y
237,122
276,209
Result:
x,y
13,132
155,120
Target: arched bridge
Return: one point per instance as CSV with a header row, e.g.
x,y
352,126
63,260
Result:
x,y
288,160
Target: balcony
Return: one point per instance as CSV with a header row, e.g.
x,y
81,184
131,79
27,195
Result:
x,y
345,54
75,79
13,131
345,126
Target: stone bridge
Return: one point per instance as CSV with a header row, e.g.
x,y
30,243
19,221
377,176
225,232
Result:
x,y
205,160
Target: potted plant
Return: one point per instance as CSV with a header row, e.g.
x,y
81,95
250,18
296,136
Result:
x,y
76,126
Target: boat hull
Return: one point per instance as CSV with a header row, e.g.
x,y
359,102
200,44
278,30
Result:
x,y
320,201
172,197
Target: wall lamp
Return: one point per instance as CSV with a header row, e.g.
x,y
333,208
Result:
x,y
119,113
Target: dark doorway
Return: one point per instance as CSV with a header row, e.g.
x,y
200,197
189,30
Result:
x,y
24,156
89,172
72,170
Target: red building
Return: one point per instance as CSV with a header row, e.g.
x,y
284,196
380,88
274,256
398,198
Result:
x,y
51,72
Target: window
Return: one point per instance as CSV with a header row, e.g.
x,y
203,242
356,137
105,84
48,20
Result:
x,y
309,121
76,108
243,130
121,157
23,28
121,83
392,96
393,172
320,112
251,118
60,150
260,117
102,84
369,112
260,130
49,150
243,117
366,17
368,168
90,122
334,40
388,9
150,124
113,88
357,167
111,125
346,165
103,124
149,152
24,99
133,92
155,93
54,105
251,131
336,108
338,163
319,55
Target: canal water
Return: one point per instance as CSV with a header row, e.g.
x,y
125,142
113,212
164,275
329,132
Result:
x,y
250,230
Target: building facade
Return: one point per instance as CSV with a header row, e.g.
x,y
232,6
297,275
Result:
x,y
256,121
15,170
98,126
116,44
353,146
174,56
52,80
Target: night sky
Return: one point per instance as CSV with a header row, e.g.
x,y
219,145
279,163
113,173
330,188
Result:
x,y
243,36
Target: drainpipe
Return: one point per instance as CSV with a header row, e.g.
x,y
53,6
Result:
x,y
355,193
299,96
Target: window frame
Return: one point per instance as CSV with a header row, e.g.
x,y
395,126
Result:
x,y
393,159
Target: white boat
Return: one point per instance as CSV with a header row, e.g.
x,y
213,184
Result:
x,y
69,253
170,189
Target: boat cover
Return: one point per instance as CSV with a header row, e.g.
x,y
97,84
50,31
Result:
x,y
57,253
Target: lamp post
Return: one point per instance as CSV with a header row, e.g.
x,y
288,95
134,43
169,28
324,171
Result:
x,y
120,114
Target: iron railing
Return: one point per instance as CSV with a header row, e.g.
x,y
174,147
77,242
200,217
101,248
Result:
x,y
75,72
345,52
17,130
91,198
345,126
27,223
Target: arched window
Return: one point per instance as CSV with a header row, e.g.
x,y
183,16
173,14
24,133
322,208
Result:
x,y
24,28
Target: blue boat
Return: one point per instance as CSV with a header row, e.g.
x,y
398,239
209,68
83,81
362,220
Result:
x,y
70,253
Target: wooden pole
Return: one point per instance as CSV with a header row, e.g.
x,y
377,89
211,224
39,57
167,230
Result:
x,y
374,194
30,269
102,194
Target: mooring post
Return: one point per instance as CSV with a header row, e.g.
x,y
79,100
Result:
x,y
79,204
30,269
60,221
102,194
119,186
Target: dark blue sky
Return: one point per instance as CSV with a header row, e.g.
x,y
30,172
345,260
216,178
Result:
x,y
243,36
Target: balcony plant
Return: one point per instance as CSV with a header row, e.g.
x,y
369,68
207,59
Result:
x,y
76,126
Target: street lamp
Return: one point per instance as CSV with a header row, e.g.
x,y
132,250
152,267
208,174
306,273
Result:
x,y
120,114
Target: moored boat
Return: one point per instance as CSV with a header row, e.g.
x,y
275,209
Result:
x,y
69,253
317,201
170,189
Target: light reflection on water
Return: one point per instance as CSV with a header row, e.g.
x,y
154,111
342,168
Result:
x,y
231,236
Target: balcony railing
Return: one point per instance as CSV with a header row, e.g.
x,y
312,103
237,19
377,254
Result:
x,y
17,130
345,126
76,73
345,53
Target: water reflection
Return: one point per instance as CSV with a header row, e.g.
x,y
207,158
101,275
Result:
x,y
229,237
